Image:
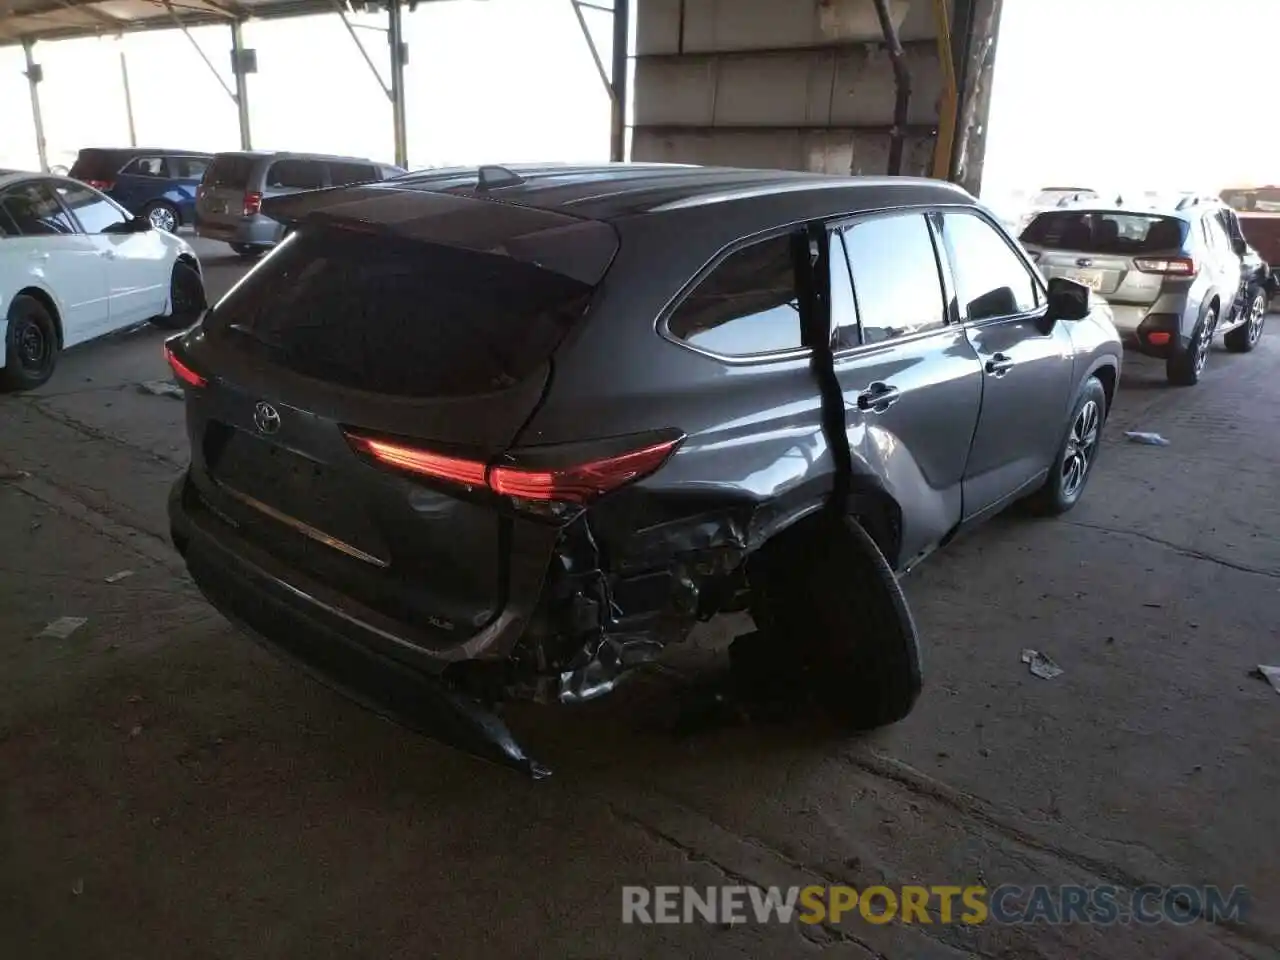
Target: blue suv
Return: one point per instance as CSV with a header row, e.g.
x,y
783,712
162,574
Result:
x,y
159,185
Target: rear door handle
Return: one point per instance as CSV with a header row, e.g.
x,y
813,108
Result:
x,y
878,397
999,365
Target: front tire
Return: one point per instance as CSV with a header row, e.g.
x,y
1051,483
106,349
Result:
x,y
186,298
1077,454
1246,336
31,345
1185,367
163,216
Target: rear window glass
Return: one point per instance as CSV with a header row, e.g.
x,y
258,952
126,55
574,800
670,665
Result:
x,y
229,170
399,317
296,174
96,165
342,173
1117,233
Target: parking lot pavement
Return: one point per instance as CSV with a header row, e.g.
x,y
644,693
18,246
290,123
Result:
x,y
171,790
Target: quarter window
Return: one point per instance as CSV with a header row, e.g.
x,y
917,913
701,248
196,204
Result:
x,y
94,211
296,174
187,168
748,305
895,277
991,280
35,211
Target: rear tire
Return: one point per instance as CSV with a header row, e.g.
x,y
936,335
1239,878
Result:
x,y
1185,367
1078,452
1246,336
31,345
835,623
186,298
163,216
247,251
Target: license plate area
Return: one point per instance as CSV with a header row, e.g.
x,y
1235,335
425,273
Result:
x,y
1089,278
293,490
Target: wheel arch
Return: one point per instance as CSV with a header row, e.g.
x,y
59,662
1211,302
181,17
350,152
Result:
x,y
1108,374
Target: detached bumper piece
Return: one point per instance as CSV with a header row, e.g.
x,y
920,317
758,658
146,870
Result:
x,y
398,692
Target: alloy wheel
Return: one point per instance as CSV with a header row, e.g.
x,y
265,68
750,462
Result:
x,y
162,218
1082,443
1257,316
1204,342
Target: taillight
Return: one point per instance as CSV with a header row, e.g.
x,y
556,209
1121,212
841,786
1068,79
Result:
x,y
1170,266
181,370
252,204
103,185
578,483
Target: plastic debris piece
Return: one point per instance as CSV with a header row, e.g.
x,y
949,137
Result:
x,y
77,888
62,628
1150,439
14,474
1269,674
1041,665
117,577
136,731
161,388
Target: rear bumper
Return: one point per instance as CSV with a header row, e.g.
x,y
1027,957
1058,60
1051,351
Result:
x,y
252,231
354,658
303,618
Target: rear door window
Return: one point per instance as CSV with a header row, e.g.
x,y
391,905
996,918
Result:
x,y
399,317
187,168
35,210
344,173
230,170
296,175
1117,234
145,167
895,278
748,305
991,280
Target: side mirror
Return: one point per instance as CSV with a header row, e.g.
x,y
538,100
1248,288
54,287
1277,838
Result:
x,y
133,225
1068,300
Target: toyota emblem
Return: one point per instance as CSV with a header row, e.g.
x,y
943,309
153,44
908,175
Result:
x,y
266,417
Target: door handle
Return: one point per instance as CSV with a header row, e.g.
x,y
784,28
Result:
x,y
878,397
999,365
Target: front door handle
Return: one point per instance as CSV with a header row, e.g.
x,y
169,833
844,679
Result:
x,y
878,397
999,365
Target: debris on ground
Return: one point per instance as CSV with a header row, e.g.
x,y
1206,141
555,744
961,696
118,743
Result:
x,y
14,474
1150,439
62,628
77,888
1041,665
136,731
1269,674
161,388
117,577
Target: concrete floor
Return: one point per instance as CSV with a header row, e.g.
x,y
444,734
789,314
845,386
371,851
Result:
x,y
172,791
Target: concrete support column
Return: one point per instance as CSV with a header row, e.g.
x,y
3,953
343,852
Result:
x,y
399,55
621,49
34,76
239,67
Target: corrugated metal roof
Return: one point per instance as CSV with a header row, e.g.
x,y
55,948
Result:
x,y
60,19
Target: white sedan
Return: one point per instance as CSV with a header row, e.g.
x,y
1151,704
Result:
x,y
75,265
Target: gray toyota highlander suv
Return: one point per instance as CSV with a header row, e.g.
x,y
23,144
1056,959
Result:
x,y
1175,278
485,434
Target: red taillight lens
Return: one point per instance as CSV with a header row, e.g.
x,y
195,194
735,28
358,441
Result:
x,y
103,185
1170,266
469,473
1159,338
182,371
583,482
578,483
252,204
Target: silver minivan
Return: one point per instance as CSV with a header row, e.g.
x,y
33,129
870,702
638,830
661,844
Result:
x,y
1175,277
229,199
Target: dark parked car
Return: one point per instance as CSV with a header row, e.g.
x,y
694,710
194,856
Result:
x,y
468,436
229,204
159,185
